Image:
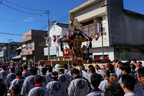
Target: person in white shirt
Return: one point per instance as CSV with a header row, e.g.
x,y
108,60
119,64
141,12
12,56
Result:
x,y
140,77
95,81
78,86
103,84
127,84
39,89
16,90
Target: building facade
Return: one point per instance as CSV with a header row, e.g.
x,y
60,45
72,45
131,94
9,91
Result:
x,y
122,29
57,31
33,44
9,51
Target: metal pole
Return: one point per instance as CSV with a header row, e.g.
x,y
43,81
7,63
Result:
x,y
9,49
48,36
102,47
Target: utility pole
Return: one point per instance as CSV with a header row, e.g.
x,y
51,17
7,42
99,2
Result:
x,y
48,39
9,49
100,30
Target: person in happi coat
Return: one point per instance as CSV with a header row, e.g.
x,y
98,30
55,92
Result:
x,y
111,80
140,76
39,89
79,86
44,71
25,72
3,90
125,67
3,73
55,87
48,75
10,77
29,82
103,84
118,71
16,90
63,78
95,81
18,80
127,84
83,72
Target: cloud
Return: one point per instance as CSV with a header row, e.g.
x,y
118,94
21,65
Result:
x,y
29,19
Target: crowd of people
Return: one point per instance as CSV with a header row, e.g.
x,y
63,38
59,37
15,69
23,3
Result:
x,y
110,79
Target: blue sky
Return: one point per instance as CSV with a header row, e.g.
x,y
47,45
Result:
x,y
12,21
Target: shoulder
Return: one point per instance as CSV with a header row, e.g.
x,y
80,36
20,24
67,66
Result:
x,y
96,93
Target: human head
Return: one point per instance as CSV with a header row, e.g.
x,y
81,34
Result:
x,y
92,70
33,70
38,79
75,72
110,67
2,89
125,68
25,67
12,69
49,67
16,90
140,75
97,67
56,67
138,65
134,61
44,71
4,67
18,73
61,69
114,90
106,74
54,75
132,67
65,66
103,67
128,82
95,80
111,80
74,65
90,66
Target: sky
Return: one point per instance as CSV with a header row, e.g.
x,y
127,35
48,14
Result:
x,y
16,22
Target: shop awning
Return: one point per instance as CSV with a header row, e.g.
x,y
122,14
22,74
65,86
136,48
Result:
x,y
16,57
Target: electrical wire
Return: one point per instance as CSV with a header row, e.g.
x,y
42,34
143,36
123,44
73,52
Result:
x,y
23,6
19,34
62,18
1,2
20,10
20,21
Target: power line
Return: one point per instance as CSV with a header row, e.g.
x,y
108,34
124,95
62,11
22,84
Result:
x,y
1,2
20,21
20,34
23,6
20,10
67,16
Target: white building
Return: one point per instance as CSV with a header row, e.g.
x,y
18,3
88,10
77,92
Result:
x,y
57,31
123,29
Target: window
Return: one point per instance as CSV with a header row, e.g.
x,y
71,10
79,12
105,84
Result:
x,y
12,48
90,29
135,50
26,46
31,45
